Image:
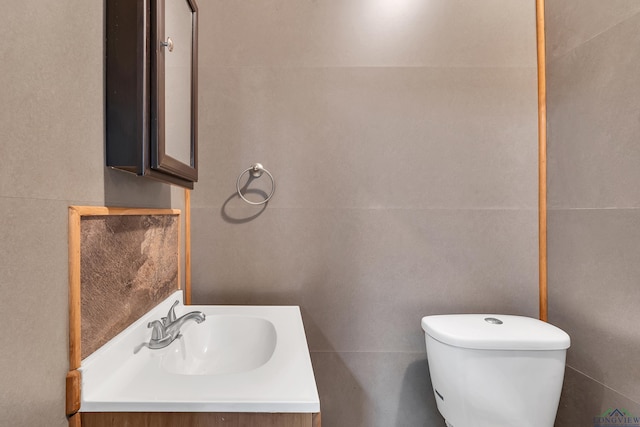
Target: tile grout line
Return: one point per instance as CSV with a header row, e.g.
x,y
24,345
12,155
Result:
x,y
602,384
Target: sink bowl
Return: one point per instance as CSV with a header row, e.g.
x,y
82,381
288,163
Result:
x,y
221,344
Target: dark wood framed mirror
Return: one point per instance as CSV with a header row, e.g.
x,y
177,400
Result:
x,y
174,88
151,89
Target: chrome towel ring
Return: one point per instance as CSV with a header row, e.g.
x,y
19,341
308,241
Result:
x,y
256,171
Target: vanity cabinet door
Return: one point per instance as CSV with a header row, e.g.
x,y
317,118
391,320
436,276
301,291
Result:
x,y
151,89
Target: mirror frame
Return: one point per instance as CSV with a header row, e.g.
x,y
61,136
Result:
x,y
160,160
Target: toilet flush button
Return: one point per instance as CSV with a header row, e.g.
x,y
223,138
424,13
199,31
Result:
x,y
493,320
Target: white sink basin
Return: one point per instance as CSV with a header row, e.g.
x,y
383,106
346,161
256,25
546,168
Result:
x,y
240,359
221,345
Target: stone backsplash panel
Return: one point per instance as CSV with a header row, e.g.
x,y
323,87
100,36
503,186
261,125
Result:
x,y
129,264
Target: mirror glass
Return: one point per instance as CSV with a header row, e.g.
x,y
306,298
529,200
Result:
x,y
178,63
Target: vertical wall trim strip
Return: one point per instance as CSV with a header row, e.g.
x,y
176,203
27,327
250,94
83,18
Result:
x,y
187,247
542,158
73,381
74,289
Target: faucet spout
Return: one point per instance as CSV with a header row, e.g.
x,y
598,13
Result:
x,y
173,328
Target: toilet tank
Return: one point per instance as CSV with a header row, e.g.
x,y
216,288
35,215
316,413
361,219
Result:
x,y
495,370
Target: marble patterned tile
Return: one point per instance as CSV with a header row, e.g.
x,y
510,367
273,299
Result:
x,y
128,265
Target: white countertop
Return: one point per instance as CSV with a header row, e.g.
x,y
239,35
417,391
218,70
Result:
x,y
115,379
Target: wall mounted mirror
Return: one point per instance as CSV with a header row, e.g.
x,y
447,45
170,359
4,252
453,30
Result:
x,y
152,112
174,96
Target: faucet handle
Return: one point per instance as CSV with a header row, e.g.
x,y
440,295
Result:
x,y
158,333
171,316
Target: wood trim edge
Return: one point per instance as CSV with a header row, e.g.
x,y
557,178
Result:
x,y
75,420
542,159
74,289
106,210
187,247
73,383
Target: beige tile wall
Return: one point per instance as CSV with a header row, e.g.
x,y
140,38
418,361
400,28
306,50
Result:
x,y
403,138
594,217
51,156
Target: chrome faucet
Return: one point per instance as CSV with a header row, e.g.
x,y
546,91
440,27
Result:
x,y
167,329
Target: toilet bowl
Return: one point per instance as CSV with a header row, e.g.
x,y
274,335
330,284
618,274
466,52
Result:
x,y
495,370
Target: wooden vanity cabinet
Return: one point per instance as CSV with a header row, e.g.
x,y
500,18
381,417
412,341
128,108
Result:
x,y
198,419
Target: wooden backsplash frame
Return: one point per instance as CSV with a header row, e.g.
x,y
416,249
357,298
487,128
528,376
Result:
x,y
76,213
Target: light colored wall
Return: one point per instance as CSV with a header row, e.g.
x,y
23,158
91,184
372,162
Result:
x,y
403,138
594,216
51,156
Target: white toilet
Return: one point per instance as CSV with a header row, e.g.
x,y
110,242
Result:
x,y
495,370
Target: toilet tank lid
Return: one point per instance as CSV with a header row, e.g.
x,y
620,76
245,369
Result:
x,y
495,332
